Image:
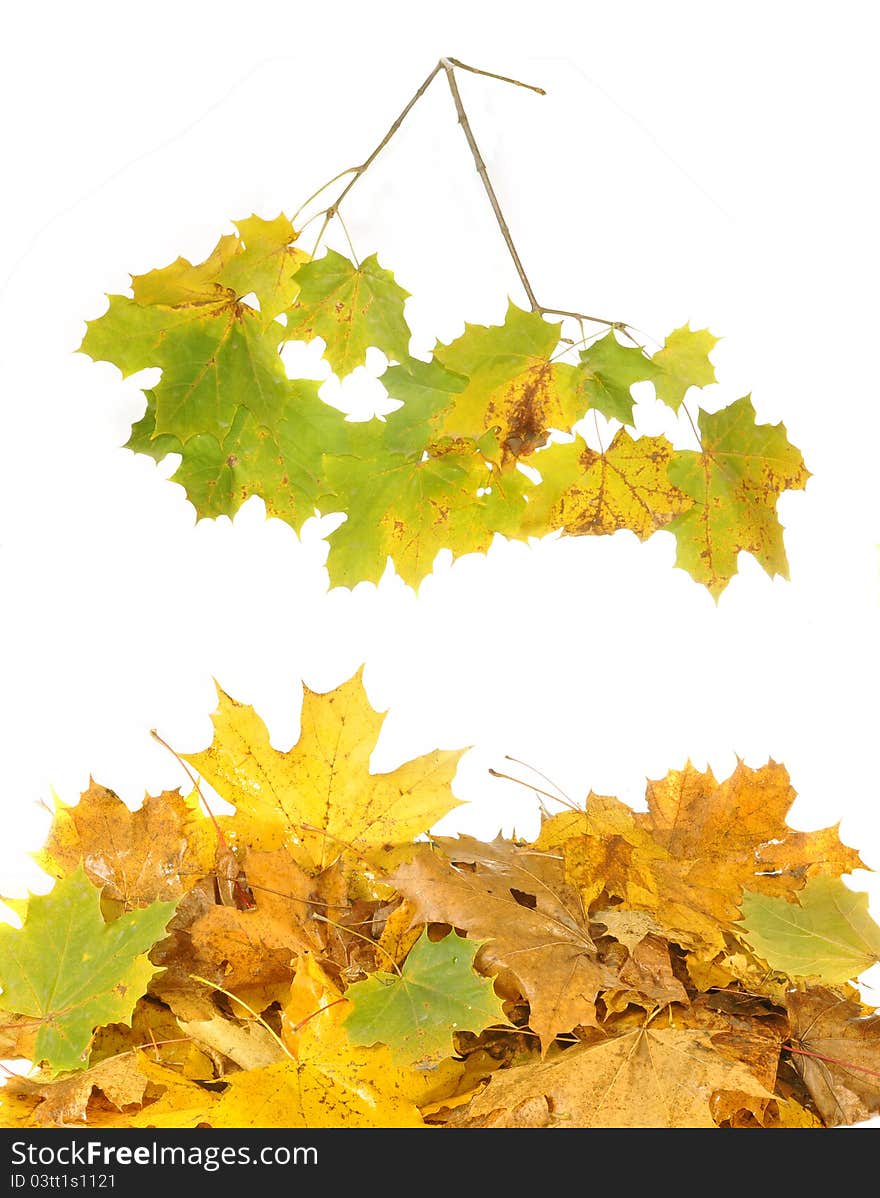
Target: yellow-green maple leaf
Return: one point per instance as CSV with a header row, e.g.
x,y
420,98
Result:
x,y
71,972
587,493
682,363
734,482
351,308
224,401
823,932
514,384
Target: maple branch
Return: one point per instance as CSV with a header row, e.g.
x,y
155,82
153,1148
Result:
x,y
448,67
357,171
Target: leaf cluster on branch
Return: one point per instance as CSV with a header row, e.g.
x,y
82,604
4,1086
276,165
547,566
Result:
x,y
442,470
313,960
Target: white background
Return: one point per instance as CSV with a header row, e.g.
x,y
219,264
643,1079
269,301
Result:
x,y
710,163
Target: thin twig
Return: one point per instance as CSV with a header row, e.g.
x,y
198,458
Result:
x,y
448,67
463,66
537,789
357,171
245,899
819,1056
579,316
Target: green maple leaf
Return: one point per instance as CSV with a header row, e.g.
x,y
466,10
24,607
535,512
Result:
x,y
73,972
282,464
587,493
514,386
827,934
410,505
734,483
224,401
426,389
215,357
683,362
351,308
417,1011
609,371
144,438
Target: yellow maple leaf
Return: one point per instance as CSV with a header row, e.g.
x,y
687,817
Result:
x,y
323,1081
320,798
701,842
649,1077
587,493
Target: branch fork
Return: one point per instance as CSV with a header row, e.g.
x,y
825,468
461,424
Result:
x,y
448,67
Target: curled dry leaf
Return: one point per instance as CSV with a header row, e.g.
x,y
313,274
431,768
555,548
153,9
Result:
x,y
843,1074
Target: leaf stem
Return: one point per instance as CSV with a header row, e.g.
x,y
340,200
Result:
x,y
537,789
535,770
348,239
256,1014
684,408
348,170
302,1023
803,1052
449,70
372,943
243,896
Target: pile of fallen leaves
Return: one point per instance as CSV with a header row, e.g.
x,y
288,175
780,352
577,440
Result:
x,y
308,962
